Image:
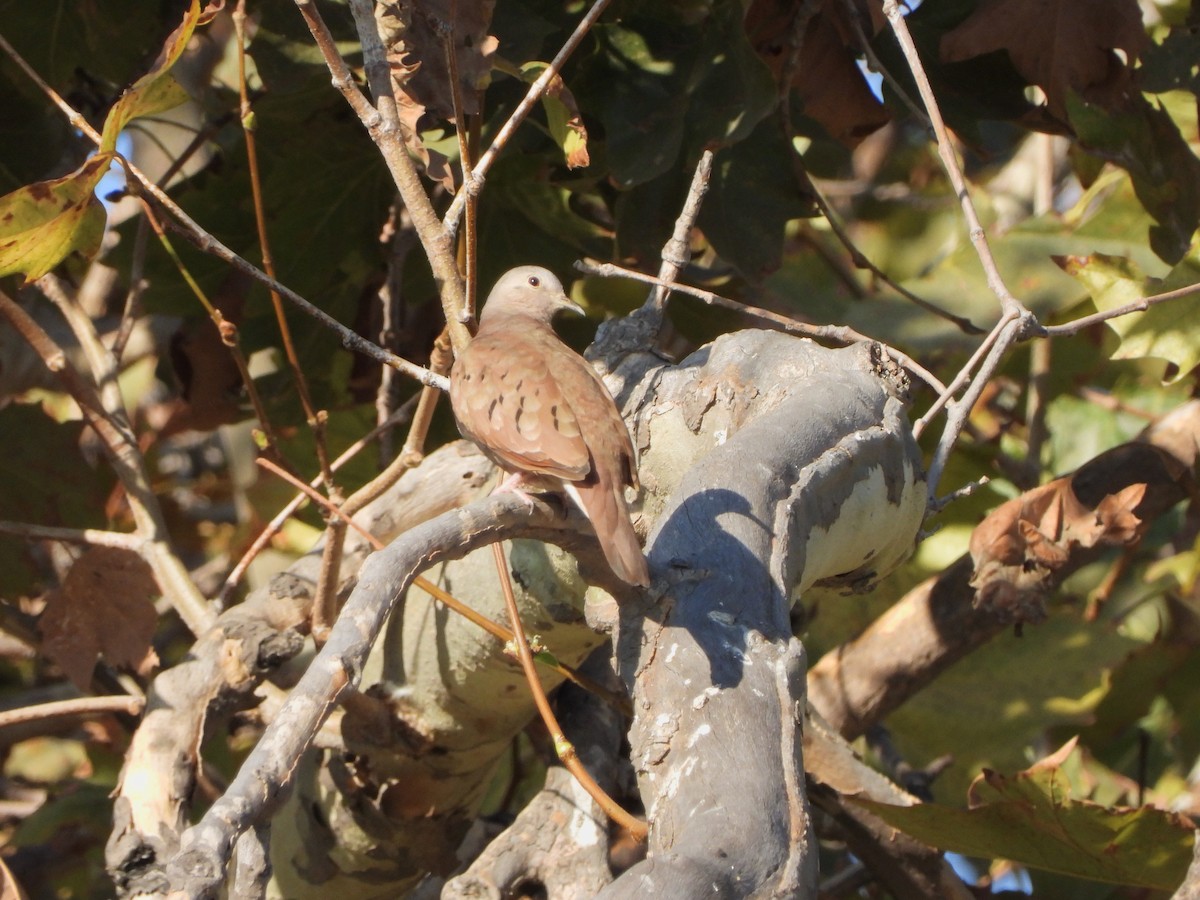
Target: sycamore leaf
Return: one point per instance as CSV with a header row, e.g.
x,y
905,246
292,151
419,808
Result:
x,y
1164,331
1030,818
562,117
826,79
156,91
1021,544
1146,142
41,224
103,607
1062,46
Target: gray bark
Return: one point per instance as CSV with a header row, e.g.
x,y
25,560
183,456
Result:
x,y
802,470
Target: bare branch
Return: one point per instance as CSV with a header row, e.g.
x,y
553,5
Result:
x,y
677,251
81,708
474,184
1009,304
842,334
198,870
1082,324
384,126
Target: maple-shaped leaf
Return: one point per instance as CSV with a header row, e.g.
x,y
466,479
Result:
x,y
1021,544
825,78
1164,331
104,607
419,39
1063,46
1031,818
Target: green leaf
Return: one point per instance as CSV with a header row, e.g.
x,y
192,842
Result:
x,y
43,223
562,116
665,86
1145,141
156,91
1164,331
155,96
752,195
1030,818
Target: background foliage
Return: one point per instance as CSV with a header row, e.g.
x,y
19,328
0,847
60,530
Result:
x,y
1078,127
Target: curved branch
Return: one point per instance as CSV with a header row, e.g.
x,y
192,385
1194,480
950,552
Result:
x,y
794,483
937,623
198,870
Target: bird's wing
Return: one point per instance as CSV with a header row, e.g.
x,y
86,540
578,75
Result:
x,y
508,399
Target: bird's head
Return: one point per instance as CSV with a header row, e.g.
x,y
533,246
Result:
x,y
527,291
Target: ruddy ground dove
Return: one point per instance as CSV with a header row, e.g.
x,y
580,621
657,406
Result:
x,y
539,411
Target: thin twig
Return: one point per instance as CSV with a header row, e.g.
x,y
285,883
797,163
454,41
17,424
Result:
x,y
861,261
324,604
316,421
799,26
1009,304
1085,322
228,331
876,64
467,247
1011,330
677,252
94,536
960,380
473,186
564,748
1037,400
840,333
209,244
316,496
137,286
276,523
350,339
79,708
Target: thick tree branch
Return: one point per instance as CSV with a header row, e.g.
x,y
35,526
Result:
x,y
937,624
713,666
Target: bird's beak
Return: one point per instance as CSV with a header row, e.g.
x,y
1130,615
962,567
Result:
x,y
565,303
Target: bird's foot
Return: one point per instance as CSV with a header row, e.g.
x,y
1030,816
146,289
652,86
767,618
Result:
x,y
517,483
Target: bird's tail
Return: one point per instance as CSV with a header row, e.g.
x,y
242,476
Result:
x,y
604,504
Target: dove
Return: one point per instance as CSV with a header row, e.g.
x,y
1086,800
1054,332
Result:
x,y
539,411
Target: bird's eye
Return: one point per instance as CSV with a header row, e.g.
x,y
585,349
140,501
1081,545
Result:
x,y
534,281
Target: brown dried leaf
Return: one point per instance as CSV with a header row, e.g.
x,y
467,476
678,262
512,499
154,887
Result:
x,y
1059,45
1115,515
103,607
417,36
1025,541
827,78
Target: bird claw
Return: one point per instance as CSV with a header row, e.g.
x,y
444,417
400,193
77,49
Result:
x,y
515,484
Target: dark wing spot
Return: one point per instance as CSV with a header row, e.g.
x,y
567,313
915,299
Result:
x,y
492,406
